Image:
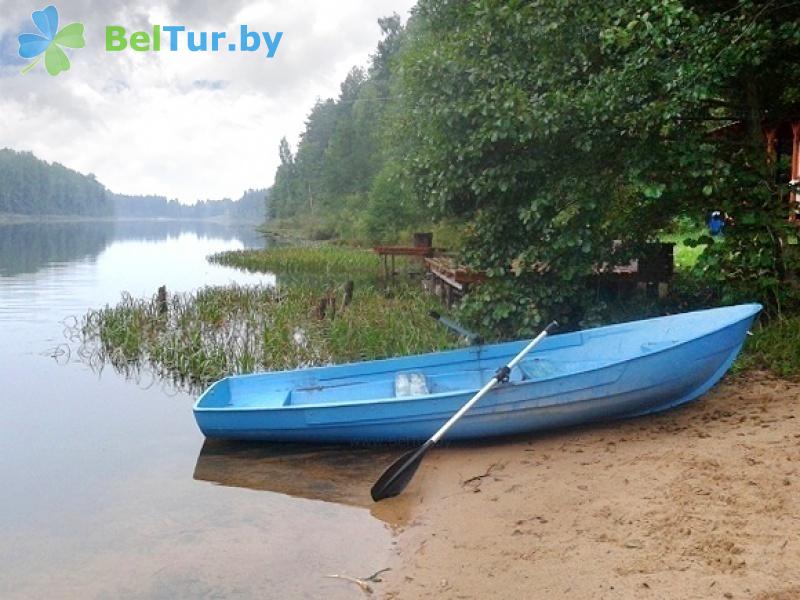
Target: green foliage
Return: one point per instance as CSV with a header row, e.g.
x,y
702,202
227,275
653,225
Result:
x,y
500,309
29,186
688,247
389,206
774,347
563,135
559,127
343,180
691,238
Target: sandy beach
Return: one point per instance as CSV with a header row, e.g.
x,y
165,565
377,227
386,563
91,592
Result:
x,y
700,502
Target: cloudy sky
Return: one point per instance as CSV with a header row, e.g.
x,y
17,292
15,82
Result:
x,y
188,125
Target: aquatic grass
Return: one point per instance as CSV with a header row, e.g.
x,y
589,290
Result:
x,y
327,261
393,323
216,331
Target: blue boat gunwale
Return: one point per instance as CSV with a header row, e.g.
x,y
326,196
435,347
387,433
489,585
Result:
x,y
754,309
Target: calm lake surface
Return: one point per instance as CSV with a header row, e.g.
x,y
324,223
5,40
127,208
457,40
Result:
x,y
108,490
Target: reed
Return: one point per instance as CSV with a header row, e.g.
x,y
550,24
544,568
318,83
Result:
x,y
219,331
337,262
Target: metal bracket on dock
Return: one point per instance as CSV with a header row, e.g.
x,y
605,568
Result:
x,y
473,338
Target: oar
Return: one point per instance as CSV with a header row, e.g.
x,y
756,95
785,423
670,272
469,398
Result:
x,y
395,479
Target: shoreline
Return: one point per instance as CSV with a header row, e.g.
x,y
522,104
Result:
x,y
698,502
18,219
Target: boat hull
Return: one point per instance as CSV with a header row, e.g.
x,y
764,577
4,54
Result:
x,y
662,376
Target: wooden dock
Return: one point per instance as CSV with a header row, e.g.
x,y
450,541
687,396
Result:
x,y
451,281
655,267
448,280
388,253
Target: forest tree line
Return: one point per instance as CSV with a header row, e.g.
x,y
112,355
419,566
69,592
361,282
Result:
x,y
341,179
249,207
30,186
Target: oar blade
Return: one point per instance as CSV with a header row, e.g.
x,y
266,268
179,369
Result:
x,y
395,479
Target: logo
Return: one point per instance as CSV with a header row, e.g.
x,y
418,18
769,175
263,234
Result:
x,y
50,42
179,37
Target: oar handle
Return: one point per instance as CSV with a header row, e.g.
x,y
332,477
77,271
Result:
x,y
501,375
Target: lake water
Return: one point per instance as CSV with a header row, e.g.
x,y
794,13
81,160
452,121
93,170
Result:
x,y
108,489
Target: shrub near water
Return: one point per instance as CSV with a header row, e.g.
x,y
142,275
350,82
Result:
x,y
219,331
775,347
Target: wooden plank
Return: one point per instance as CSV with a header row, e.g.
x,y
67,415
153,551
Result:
x,y
403,250
461,275
447,279
655,266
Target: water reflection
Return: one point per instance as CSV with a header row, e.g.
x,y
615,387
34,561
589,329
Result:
x,y
101,501
30,247
158,230
332,473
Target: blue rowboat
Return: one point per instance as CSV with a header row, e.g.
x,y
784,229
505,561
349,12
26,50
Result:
x,y
598,374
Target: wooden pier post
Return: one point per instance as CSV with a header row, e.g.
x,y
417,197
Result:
x,y
161,301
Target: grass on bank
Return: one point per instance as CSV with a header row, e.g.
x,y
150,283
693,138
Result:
x,y
217,331
323,261
338,230
685,256
774,347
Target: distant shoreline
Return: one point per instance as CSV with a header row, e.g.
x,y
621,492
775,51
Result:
x,y
18,219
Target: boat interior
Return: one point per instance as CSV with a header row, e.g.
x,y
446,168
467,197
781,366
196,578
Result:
x,y
454,371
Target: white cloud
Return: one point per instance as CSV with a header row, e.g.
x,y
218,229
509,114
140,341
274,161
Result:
x,y
183,124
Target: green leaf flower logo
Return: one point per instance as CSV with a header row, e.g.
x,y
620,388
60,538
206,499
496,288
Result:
x,y
32,45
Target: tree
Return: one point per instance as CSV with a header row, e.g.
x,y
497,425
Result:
x,y
283,193
561,128
329,182
31,186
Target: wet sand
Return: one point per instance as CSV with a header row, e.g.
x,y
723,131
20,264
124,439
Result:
x,y
700,502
